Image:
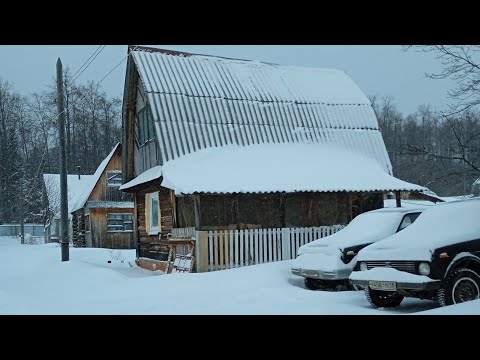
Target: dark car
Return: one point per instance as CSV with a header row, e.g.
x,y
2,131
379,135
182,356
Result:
x,y
436,258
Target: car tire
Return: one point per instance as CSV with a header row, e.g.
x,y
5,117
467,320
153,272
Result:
x,y
383,299
459,286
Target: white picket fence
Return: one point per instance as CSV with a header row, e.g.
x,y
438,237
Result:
x,y
235,248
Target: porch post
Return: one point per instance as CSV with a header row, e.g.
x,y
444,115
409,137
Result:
x,y
196,207
398,199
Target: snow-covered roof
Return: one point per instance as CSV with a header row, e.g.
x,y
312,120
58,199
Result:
x,y
83,197
202,101
273,168
151,174
75,188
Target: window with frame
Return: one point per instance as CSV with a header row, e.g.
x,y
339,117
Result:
x,y
119,222
145,127
114,178
152,215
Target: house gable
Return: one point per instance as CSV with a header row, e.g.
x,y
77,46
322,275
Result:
x,y
198,101
101,191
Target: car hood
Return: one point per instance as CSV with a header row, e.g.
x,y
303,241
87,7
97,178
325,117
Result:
x,y
391,251
323,262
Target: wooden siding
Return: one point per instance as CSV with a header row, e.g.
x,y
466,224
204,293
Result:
x,y
101,237
255,211
154,246
102,192
128,117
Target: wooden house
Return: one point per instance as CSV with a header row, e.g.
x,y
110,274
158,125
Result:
x,y
51,201
253,158
102,214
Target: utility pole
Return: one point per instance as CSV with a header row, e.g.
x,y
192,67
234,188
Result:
x,y
63,165
22,214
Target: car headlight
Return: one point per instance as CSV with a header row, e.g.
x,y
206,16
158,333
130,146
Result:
x,y
424,268
363,266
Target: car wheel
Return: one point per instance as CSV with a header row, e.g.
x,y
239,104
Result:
x,y
317,284
383,299
460,286
355,287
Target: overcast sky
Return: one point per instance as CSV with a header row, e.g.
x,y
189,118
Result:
x,y
378,69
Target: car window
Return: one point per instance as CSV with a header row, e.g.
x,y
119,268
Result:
x,y
408,220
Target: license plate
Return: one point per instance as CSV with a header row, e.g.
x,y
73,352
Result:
x,y
383,285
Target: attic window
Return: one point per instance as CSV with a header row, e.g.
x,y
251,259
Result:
x,y
145,127
114,178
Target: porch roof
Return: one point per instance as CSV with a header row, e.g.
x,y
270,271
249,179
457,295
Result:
x,y
264,168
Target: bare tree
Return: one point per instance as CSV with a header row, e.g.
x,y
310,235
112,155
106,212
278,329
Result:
x,y
460,122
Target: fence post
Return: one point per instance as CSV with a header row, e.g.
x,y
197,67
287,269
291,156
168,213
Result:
x,y
201,251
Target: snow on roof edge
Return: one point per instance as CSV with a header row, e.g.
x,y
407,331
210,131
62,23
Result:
x,y
82,199
263,168
151,174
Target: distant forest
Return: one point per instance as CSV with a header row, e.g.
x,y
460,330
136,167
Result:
x,y
437,151
29,141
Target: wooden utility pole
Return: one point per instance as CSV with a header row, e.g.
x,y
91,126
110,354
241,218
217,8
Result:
x,y
22,213
63,165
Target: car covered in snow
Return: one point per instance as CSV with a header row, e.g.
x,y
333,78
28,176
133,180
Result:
x,y
326,263
437,258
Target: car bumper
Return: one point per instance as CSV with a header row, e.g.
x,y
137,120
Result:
x,y
432,285
322,275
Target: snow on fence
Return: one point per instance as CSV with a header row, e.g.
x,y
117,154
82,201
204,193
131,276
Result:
x,y
218,250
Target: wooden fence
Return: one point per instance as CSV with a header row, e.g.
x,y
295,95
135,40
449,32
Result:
x,y
219,250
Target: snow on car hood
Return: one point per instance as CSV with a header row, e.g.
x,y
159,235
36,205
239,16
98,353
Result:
x,y
322,262
366,228
441,225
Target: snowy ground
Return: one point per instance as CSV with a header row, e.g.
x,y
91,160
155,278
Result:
x,y
33,280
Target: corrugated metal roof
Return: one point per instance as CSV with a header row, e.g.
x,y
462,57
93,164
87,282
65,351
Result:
x,y
202,101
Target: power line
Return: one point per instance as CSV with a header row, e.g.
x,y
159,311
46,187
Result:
x,y
72,104
116,66
86,61
86,67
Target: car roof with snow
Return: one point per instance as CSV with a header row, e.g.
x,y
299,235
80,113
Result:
x,y
367,227
442,225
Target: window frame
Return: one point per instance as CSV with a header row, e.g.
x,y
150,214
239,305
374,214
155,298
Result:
x,y
114,172
124,222
145,127
153,230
